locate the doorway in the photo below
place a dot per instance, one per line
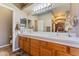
(59, 27)
(36, 25)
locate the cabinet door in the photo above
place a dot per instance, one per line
(59, 53)
(74, 51)
(45, 52)
(27, 45)
(34, 48)
(34, 51)
(57, 47)
(35, 43)
(21, 40)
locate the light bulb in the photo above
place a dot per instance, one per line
(44, 5)
(40, 8)
(33, 10)
(48, 4)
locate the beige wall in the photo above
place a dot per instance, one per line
(5, 25)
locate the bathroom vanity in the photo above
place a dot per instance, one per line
(43, 46)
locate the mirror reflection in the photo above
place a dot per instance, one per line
(54, 17)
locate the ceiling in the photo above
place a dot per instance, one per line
(22, 5)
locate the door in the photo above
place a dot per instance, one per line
(59, 27)
(36, 25)
(41, 25)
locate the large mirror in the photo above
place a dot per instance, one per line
(55, 17)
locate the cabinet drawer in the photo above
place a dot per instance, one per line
(74, 51)
(57, 47)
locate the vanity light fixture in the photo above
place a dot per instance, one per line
(42, 8)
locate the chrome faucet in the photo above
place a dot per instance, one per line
(57, 33)
(69, 29)
(69, 34)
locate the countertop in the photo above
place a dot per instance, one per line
(69, 41)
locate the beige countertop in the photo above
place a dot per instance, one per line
(72, 41)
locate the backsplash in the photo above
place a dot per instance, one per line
(48, 34)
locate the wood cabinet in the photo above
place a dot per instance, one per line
(58, 47)
(43, 43)
(34, 50)
(59, 53)
(37, 47)
(34, 43)
(21, 40)
(27, 45)
(45, 52)
(24, 44)
(74, 51)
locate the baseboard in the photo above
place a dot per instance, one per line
(5, 45)
(16, 49)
